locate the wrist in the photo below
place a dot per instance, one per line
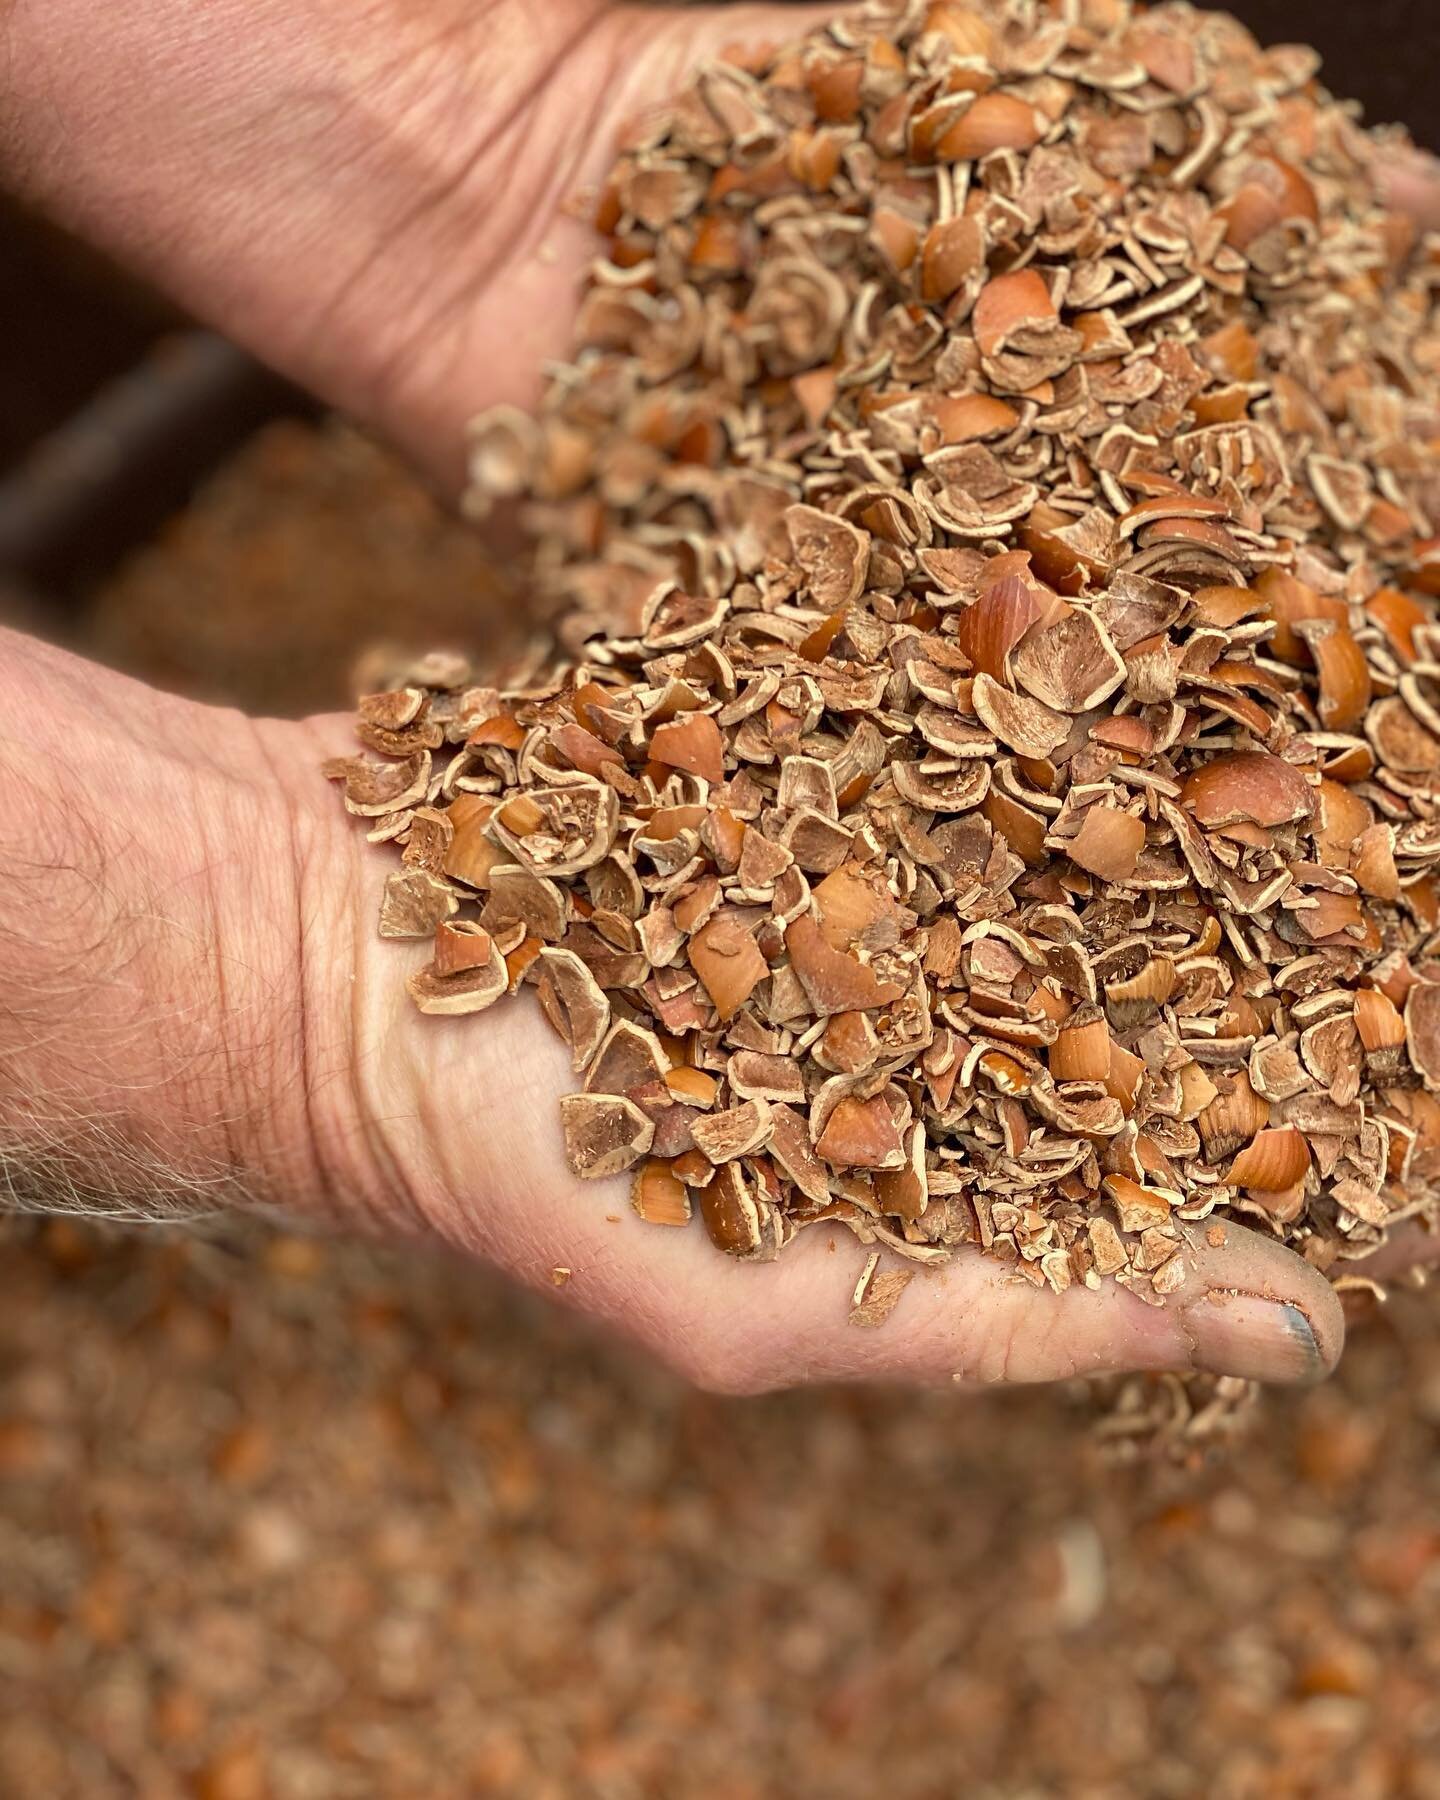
(173, 1033)
(317, 1098)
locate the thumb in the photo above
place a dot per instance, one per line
(1247, 1307)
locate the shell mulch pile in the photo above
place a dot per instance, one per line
(982, 785)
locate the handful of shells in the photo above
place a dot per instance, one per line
(982, 785)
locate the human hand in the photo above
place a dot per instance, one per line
(379, 239)
(197, 1011)
(378, 201)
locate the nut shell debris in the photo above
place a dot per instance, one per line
(977, 782)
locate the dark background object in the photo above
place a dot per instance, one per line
(1383, 53)
(113, 407)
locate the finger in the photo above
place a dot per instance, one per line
(1248, 1308)
(1409, 179)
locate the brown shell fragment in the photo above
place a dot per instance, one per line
(394, 709)
(834, 981)
(1341, 817)
(472, 988)
(558, 831)
(954, 250)
(791, 1149)
(1008, 305)
(755, 1076)
(1137, 1207)
(1401, 742)
(658, 1195)
(1108, 843)
(1070, 665)
(414, 904)
(877, 1294)
(991, 122)
(1251, 786)
(1344, 675)
(574, 1003)
(1373, 863)
(692, 1087)
(461, 946)
(990, 627)
(738, 1131)
(691, 742)
(833, 554)
(1082, 1050)
(1068, 552)
(373, 788)
(735, 1215)
(1130, 1001)
(1422, 1031)
(861, 1134)
(1273, 1161)
(1233, 1119)
(515, 895)
(605, 1134)
(470, 855)
(1378, 1020)
(856, 907)
(728, 961)
(1029, 727)
(629, 1059)
(905, 1193)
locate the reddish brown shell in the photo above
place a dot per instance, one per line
(1248, 785)
(834, 981)
(728, 961)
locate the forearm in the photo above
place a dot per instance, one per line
(158, 1031)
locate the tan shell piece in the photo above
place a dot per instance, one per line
(471, 989)
(605, 1134)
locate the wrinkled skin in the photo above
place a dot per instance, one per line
(372, 199)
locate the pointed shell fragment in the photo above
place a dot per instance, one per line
(990, 627)
(573, 1001)
(724, 954)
